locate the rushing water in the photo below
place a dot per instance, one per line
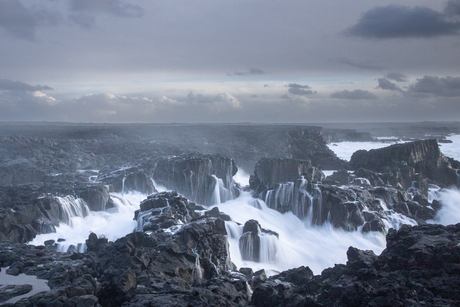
(111, 224)
(299, 243)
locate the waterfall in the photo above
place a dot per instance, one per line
(72, 207)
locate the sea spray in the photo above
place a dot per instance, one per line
(318, 247)
(450, 210)
(111, 224)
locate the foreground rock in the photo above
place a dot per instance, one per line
(419, 267)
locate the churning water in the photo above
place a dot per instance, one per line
(300, 242)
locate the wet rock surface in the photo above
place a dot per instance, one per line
(205, 179)
(419, 267)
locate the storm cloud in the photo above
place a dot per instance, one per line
(386, 84)
(21, 22)
(396, 76)
(10, 85)
(300, 90)
(437, 86)
(354, 95)
(396, 21)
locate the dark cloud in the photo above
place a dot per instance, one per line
(113, 7)
(396, 76)
(9, 85)
(21, 22)
(386, 84)
(250, 72)
(396, 21)
(452, 8)
(368, 65)
(301, 90)
(354, 95)
(443, 87)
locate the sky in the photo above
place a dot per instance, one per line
(230, 61)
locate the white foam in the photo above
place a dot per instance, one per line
(317, 247)
(344, 150)
(111, 224)
(451, 149)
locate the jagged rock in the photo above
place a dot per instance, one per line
(163, 210)
(129, 179)
(96, 196)
(250, 242)
(418, 268)
(402, 163)
(9, 291)
(205, 179)
(269, 172)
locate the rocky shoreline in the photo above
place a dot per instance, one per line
(178, 254)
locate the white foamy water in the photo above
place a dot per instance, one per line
(111, 224)
(344, 150)
(241, 177)
(451, 150)
(450, 211)
(299, 244)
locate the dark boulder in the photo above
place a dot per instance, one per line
(163, 210)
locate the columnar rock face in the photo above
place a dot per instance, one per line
(269, 172)
(205, 179)
(258, 244)
(348, 201)
(405, 163)
(419, 267)
(129, 179)
(96, 196)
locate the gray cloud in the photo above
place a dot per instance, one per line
(113, 7)
(386, 84)
(21, 22)
(443, 87)
(396, 21)
(452, 8)
(250, 72)
(9, 85)
(396, 76)
(354, 95)
(366, 64)
(300, 90)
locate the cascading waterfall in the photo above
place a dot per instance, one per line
(112, 223)
(72, 207)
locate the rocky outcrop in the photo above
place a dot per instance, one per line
(129, 179)
(419, 267)
(204, 179)
(402, 164)
(269, 172)
(256, 244)
(96, 196)
(164, 210)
